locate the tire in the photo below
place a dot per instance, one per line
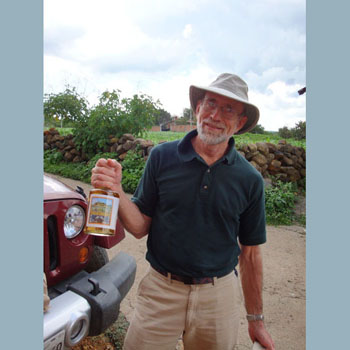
(98, 259)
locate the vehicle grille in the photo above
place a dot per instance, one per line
(53, 243)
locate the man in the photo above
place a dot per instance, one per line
(196, 199)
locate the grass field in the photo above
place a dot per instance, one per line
(157, 136)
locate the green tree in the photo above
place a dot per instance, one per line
(162, 117)
(186, 118)
(114, 116)
(285, 132)
(299, 131)
(258, 129)
(65, 107)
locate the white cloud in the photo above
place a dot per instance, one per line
(161, 47)
(187, 31)
(281, 106)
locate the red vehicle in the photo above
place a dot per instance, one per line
(84, 287)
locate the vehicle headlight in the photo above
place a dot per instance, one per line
(74, 221)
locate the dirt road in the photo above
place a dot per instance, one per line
(284, 282)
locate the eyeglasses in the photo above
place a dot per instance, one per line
(227, 111)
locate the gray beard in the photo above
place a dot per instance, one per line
(210, 139)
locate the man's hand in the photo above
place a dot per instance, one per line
(257, 332)
(107, 173)
(251, 270)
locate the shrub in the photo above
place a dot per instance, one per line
(113, 116)
(258, 129)
(133, 166)
(53, 156)
(279, 203)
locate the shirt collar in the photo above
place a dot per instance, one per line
(187, 152)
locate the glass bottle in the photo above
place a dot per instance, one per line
(102, 214)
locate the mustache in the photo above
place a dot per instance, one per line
(215, 124)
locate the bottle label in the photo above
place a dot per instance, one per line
(103, 211)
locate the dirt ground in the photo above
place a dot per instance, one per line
(284, 282)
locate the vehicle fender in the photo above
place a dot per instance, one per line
(105, 289)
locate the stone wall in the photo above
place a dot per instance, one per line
(283, 160)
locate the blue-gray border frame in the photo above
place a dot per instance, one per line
(328, 126)
(21, 91)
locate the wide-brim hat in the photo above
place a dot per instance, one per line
(231, 86)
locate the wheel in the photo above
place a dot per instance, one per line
(98, 259)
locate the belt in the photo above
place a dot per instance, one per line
(187, 279)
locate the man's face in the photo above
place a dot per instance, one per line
(218, 118)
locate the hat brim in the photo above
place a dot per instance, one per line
(252, 112)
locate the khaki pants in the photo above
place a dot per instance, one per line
(207, 314)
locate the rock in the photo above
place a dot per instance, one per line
(270, 157)
(249, 156)
(75, 152)
(144, 143)
(67, 148)
(272, 147)
(260, 159)
(264, 168)
(55, 138)
(244, 148)
(46, 146)
(255, 165)
(71, 143)
(120, 149)
(59, 145)
(289, 170)
(53, 131)
(76, 159)
(252, 147)
(278, 155)
(113, 140)
(275, 165)
(287, 161)
(123, 156)
(302, 172)
(113, 148)
(295, 176)
(282, 142)
(68, 156)
(242, 154)
(128, 145)
(263, 148)
(126, 137)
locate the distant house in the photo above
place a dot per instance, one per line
(172, 126)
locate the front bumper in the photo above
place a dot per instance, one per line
(88, 303)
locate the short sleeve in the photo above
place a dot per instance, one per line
(252, 228)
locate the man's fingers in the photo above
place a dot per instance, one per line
(113, 163)
(98, 183)
(101, 162)
(107, 171)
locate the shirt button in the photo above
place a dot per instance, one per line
(208, 170)
(205, 187)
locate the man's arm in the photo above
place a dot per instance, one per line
(251, 271)
(108, 174)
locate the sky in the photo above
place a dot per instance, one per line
(161, 47)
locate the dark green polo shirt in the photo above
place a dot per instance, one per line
(199, 211)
